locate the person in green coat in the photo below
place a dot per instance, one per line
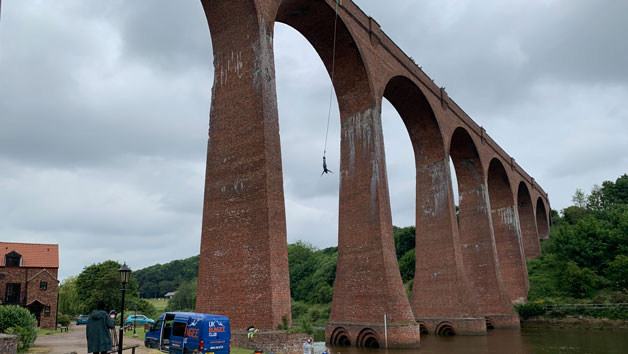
(98, 330)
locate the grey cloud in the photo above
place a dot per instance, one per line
(170, 35)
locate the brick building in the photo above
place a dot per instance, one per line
(28, 277)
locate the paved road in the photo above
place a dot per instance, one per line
(75, 341)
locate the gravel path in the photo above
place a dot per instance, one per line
(74, 341)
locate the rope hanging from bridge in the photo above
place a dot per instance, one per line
(331, 90)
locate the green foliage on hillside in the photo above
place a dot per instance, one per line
(312, 272)
(405, 240)
(586, 257)
(184, 298)
(157, 280)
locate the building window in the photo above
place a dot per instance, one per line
(47, 310)
(43, 285)
(13, 259)
(12, 295)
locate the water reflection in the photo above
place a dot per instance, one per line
(526, 341)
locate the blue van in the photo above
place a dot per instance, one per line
(190, 332)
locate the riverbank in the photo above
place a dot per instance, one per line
(584, 322)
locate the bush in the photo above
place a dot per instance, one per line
(306, 327)
(64, 319)
(619, 297)
(617, 272)
(580, 282)
(19, 321)
(530, 309)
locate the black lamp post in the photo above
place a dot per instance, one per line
(124, 273)
(134, 319)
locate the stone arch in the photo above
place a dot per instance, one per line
(367, 338)
(340, 337)
(440, 281)
(365, 226)
(419, 119)
(466, 160)
(542, 222)
(507, 232)
(479, 252)
(527, 221)
(445, 329)
(490, 324)
(315, 21)
(423, 328)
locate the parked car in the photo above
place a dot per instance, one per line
(82, 319)
(139, 320)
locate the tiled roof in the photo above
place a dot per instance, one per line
(33, 254)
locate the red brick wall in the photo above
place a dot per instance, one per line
(507, 234)
(243, 267)
(30, 291)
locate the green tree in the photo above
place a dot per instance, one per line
(579, 199)
(587, 253)
(69, 301)
(404, 239)
(184, 298)
(617, 272)
(406, 266)
(100, 282)
(158, 279)
(580, 282)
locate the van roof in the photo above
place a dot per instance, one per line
(197, 314)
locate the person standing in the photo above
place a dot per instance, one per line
(308, 347)
(98, 330)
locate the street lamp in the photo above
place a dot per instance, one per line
(123, 273)
(134, 319)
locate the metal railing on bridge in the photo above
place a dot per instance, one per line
(553, 307)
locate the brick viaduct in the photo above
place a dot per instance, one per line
(468, 272)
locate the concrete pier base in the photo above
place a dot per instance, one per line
(499, 321)
(453, 326)
(373, 335)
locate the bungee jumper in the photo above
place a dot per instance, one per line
(325, 170)
(331, 91)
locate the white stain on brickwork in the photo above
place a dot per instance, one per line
(231, 65)
(508, 217)
(362, 128)
(437, 202)
(238, 186)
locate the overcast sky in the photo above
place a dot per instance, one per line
(104, 112)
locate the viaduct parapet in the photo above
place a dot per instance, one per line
(470, 267)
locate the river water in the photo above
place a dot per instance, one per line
(524, 341)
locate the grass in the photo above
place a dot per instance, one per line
(141, 334)
(240, 350)
(160, 304)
